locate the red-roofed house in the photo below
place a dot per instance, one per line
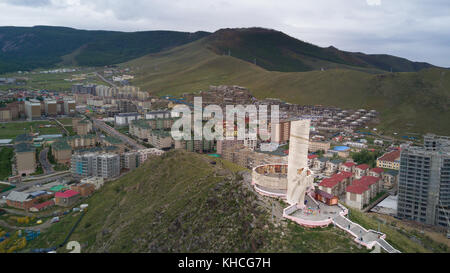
(336, 184)
(361, 191)
(66, 198)
(390, 160)
(361, 170)
(347, 167)
(371, 182)
(311, 159)
(330, 185)
(377, 172)
(42, 206)
(357, 196)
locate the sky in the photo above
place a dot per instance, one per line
(414, 29)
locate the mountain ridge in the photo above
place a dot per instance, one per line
(27, 48)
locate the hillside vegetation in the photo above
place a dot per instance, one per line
(27, 48)
(415, 102)
(183, 203)
(276, 51)
(180, 202)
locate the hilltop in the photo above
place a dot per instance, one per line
(183, 203)
(27, 48)
(276, 51)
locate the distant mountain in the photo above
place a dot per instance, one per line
(26, 48)
(276, 51)
(416, 102)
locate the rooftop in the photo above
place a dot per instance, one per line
(66, 194)
(349, 164)
(44, 205)
(24, 138)
(363, 167)
(18, 196)
(391, 156)
(356, 188)
(377, 170)
(24, 148)
(61, 145)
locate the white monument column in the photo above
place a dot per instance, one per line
(298, 162)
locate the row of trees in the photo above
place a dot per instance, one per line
(366, 157)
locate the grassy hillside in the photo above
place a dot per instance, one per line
(276, 51)
(27, 48)
(415, 102)
(182, 203)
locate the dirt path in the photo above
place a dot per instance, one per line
(41, 227)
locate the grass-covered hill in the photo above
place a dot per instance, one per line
(26, 48)
(276, 51)
(183, 203)
(416, 102)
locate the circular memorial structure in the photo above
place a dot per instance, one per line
(270, 179)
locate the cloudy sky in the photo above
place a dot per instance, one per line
(415, 29)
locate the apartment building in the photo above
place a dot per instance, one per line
(390, 160)
(315, 146)
(62, 152)
(50, 107)
(33, 109)
(424, 181)
(106, 165)
(280, 132)
(25, 157)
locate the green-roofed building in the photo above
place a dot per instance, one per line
(25, 155)
(58, 188)
(23, 138)
(62, 152)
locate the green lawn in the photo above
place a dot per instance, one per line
(397, 237)
(66, 121)
(54, 82)
(12, 129)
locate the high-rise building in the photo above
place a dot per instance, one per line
(50, 107)
(33, 109)
(106, 165)
(81, 165)
(25, 158)
(69, 107)
(424, 181)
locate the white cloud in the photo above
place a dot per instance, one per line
(373, 2)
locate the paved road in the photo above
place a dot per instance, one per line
(46, 166)
(112, 132)
(105, 80)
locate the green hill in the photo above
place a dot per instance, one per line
(27, 48)
(415, 102)
(276, 51)
(183, 203)
(180, 202)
